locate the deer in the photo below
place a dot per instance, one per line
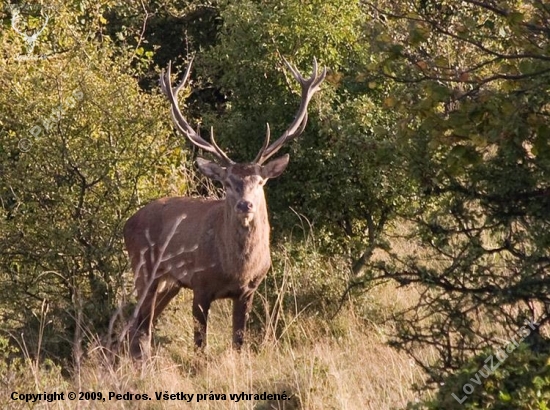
(218, 248)
(29, 40)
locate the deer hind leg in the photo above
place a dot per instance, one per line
(159, 294)
(241, 311)
(201, 306)
(140, 329)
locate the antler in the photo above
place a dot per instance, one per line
(28, 39)
(309, 87)
(180, 122)
(14, 20)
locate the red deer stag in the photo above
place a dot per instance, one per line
(219, 248)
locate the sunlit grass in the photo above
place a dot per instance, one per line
(318, 361)
(318, 369)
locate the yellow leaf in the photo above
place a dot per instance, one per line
(389, 102)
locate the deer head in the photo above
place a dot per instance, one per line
(244, 184)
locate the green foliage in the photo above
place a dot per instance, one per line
(252, 40)
(521, 381)
(344, 176)
(159, 31)
(473, 98)
(77, 139)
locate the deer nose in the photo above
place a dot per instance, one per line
(245, 206)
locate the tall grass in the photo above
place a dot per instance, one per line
(294, 347)
(352, 369)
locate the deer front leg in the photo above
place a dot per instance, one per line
(241, 310)
(201, 305)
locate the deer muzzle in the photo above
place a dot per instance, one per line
(244, 211)
(245, 207)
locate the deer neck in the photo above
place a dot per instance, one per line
(248, 246)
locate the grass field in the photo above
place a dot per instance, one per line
(344, 364)
(316, 361)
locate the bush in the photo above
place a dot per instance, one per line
(520, 381)
(81, 148)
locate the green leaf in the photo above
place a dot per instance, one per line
(504, 396)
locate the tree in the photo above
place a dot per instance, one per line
(472, 90)
(78, 139)
(343, 177)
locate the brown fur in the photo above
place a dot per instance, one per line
(202, 244)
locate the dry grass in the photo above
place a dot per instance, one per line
(320, 363)
(343, 364)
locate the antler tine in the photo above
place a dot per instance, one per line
(15, 19)
(45, 23)
(309, 87)
(44, 26)
(185, 76)
(179, 120)
(218, 149)
(264, 146)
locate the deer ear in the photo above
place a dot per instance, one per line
(211, 169)
(276, 167)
